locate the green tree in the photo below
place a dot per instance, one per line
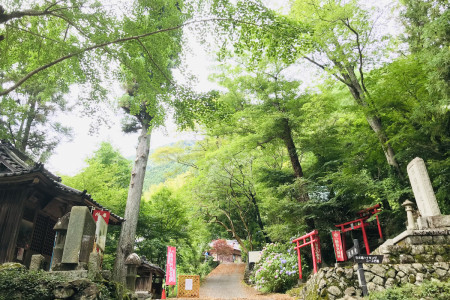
(27, 120)
(335, 36)
(146, 69)
(427, 26)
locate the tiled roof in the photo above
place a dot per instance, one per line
(149, 265)
(19, 164)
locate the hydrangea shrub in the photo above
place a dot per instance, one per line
(277, 271)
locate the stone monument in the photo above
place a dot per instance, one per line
(430, 231)
(73, 251)
(422, 189)
(80, 236)
(430, 214)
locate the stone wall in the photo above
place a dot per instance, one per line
(339, 282)
(418, 246)
(413, 256)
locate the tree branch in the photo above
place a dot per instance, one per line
(360, 55)
(116, 41)
(32, 33)
(325, 69)
(5, 17)
(153, 62)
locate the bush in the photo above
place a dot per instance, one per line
(20, 283)
(427, 290)
(277, 271)
(16, 282)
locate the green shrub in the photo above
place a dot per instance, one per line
(427, 290)
(277, 271)
(16, 282)
(19, 282)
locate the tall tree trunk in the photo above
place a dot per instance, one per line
(30, 118)
(346, 75)
(258, 216)
(25, 127)
(292, 150)
(293, 156)
(128, 232)
(372, 117)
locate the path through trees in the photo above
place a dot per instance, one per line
(226, 282)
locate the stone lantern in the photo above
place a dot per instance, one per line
(408, 205)
(61, 232)
(132, 262)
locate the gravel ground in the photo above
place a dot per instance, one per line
(226, 282)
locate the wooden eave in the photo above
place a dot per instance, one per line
(46, 182)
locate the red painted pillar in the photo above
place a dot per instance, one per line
(365, 237)
(379, 227)
(299, 262)
(313, 254)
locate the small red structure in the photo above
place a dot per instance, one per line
(359, 223)
(368, 212)
(312, 239)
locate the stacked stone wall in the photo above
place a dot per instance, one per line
(418, 249)
(339, 282)
(413, 257)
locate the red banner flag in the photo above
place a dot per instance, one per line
(337, 243)
(171, 266)
(317, 249)
(103, 213)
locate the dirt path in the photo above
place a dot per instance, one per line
(226, 282)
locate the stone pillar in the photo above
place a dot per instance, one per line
(421, 186)
(132, 262)
(408, 205)
(80, 236)
(37, 262)
(94, 266)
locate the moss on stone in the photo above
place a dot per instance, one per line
(420, 258)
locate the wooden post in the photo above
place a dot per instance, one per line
(361, 276)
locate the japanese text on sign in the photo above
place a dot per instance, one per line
(104, 214)
(171, 269)
(337, 243)
(369, 259)
(352, 252)
(317, 249)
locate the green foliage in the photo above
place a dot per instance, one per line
(277, 271)
(163, 220)
(427, 290)
(427, 25)
(19, 282)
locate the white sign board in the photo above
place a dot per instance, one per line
(100, 233)
(188, 285)
(254, 256)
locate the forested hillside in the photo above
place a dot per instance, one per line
(158, 172)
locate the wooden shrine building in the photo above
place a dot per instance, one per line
(31, 201)
(150, 278)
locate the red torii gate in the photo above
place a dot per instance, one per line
(360, 223)
(314, 241)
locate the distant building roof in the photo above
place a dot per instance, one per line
(232, 243)
(16, 167)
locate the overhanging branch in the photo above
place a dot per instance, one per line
(116, 41)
